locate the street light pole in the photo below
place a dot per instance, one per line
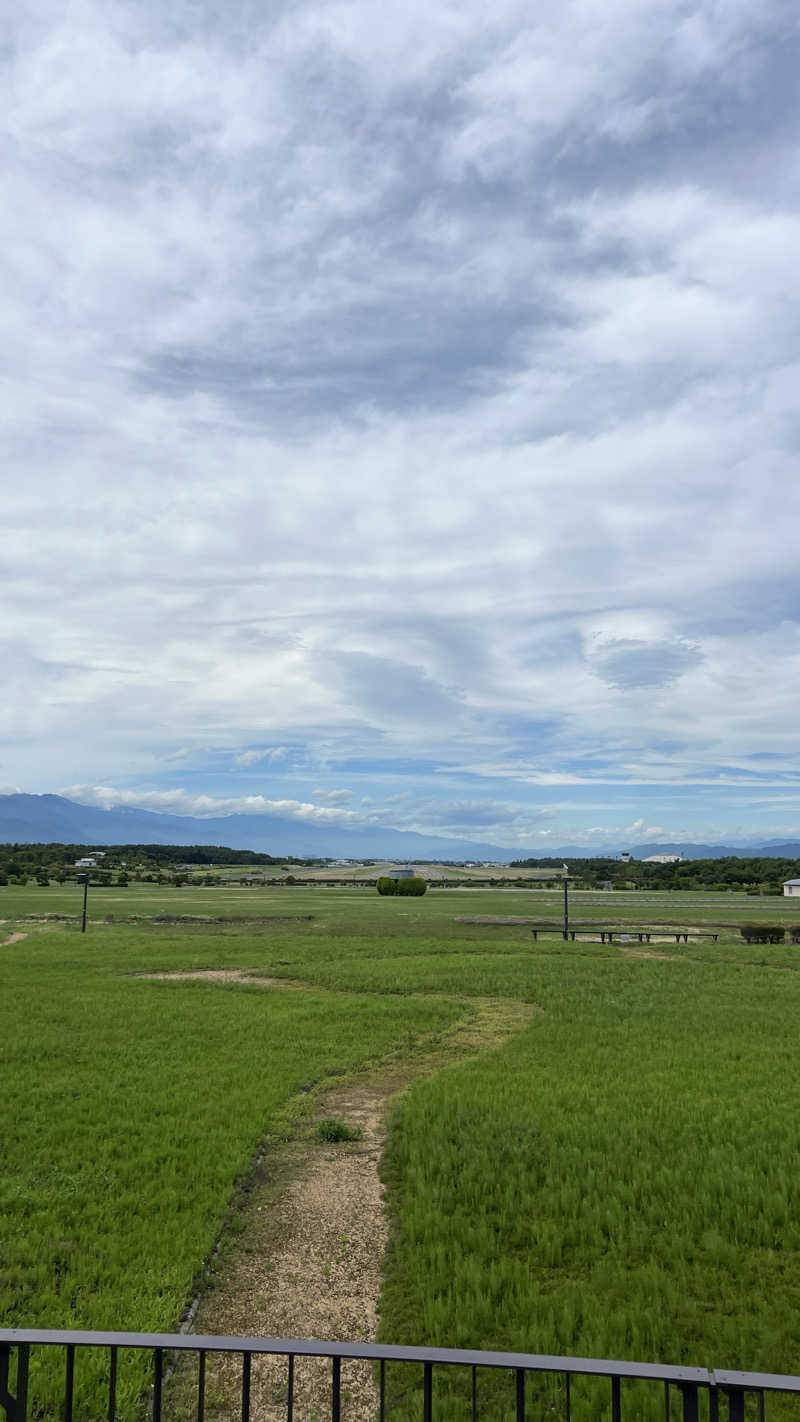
(566, 910)
(85, 896)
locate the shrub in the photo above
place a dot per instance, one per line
(794, 932)
(331, 1129)
(411, 886)
(386, 885)
(762, 932)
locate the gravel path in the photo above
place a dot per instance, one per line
(309, 1268)
(308, 1261)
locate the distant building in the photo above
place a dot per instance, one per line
(790, 887)
(400, 871)
(625, 857)
(663, 859)
(90, 862)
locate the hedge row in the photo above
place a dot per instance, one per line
(769, 932)
(401, 886)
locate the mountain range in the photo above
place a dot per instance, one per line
(46, 819)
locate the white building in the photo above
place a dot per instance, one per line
(790, 887)
(663, 859)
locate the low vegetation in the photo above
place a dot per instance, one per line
(330, 1131)
(408, 888)
(618, 1179)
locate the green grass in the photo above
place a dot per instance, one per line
(132, 1108)
(619, 1179)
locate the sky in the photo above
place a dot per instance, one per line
(400, 411)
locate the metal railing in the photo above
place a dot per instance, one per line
(690, 1393)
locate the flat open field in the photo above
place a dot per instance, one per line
(619, 1179)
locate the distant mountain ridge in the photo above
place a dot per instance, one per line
(44, 819)
(766, 849)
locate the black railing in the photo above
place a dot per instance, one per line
(693, 1394)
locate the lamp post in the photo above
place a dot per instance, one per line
(566, 909)
(85, 896)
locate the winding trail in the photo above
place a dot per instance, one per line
(307, 1263)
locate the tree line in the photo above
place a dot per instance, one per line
(754, 874)
(121, 862)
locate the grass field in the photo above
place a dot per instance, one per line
(620, 1179)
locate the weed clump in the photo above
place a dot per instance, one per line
(331, 1130)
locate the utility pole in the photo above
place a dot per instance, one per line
(85, 896)
(566, 910)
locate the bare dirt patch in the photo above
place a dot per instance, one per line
(12, 938)
(193, 920)
(226, 975)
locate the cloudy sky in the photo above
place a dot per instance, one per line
(401, 413)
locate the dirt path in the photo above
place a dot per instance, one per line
(12, 938)
(308, 1261)
(227, 975)
(308, 1266)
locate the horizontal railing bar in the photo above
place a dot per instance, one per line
(305, 1347)
(767, 1382)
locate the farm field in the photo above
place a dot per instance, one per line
(619, 1179)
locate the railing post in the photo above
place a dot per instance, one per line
(112, 1385)
(246, 1358)
(336, 1388)
(735, 1404)
(201, 1385)
(520, 1395)
(23, 1356)
(689, 1393)
(14, 1407)
(69, 1382)
(158, 1378)
(7, 1402)
(290, 1389)
(427, 1392)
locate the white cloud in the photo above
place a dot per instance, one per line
(182, 802)
(272, 754)
(414, 389)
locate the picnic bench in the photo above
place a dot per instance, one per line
(643, 935)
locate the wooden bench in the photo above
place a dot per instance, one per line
(643, 935)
